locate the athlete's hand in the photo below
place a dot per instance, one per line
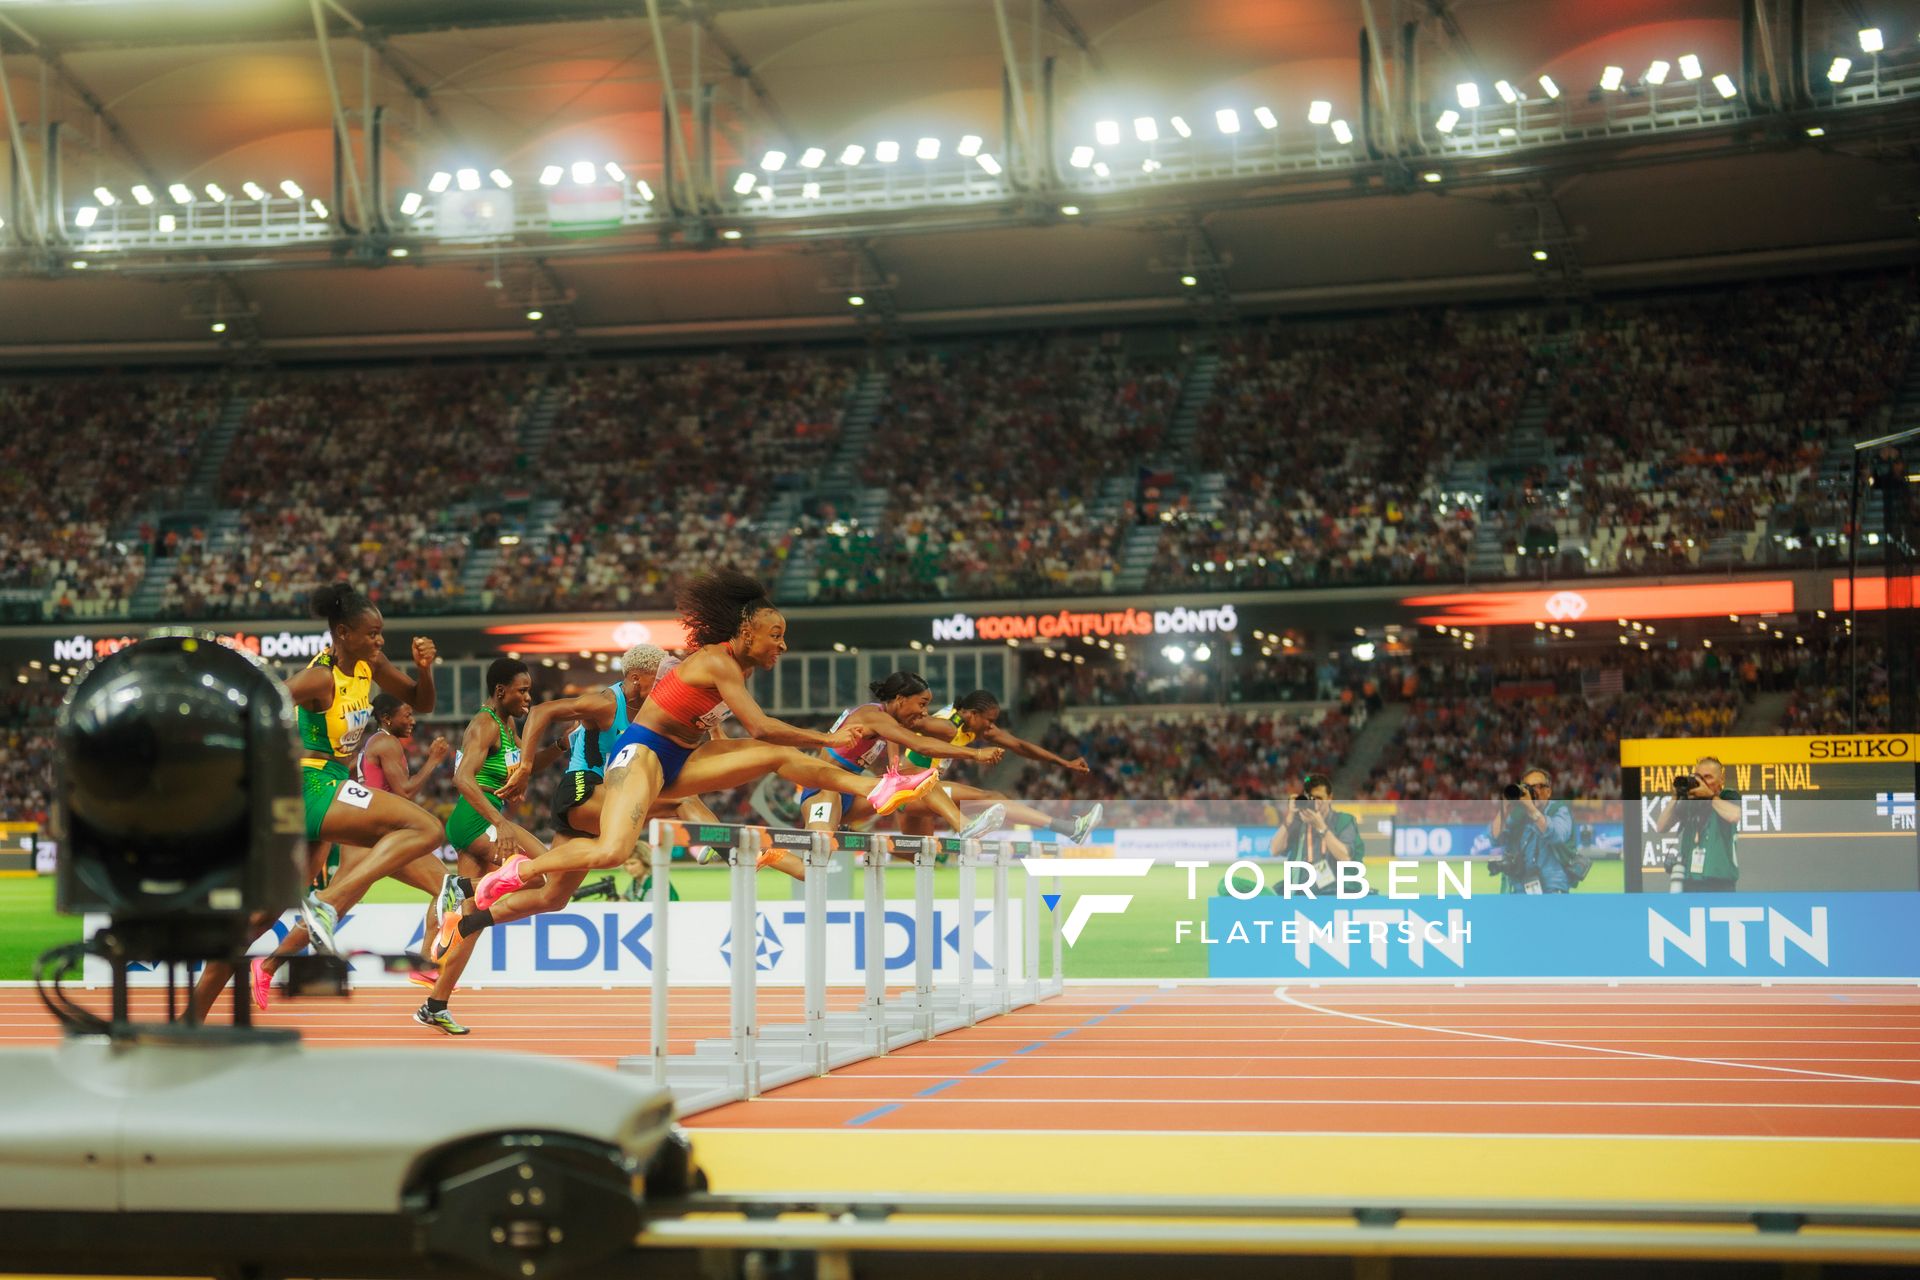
(438, 750)
(511, 838)
(841, 739)
(989, 755)
(1079, 765)
(517, 778)
(424, 654)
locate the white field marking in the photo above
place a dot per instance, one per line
(1427, 1077)
(1344, 1135)
(1343, 1102)
(1369, 1057)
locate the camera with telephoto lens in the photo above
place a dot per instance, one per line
(1513, 791)
(1684, 784)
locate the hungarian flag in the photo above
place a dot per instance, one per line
(576, 210)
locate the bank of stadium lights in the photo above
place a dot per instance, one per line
(813, 157)
(1342, 133)
(1147, 129)
(85, 217)
(886, 152)
(1467, 93)
(1448, 119)
(1508, 94)
(986, 161)
(500, 179)
(1319, 111)
(440, 182)
(852, 154)
(1612, 78)
(929, 148)
(1107, 132)
(410, 203)
(181, 193)
(318, 206)
(1081, 158)
(292, 189)
(614, 173)
(1724, 83)
(583, 172)
(745, 183)
(970, 145)
(809, 191)
(1872, 40)
(166, 224)
(142, 196)
(551, 175)
(1181, 127)
(1657, 73)
(469, 179)
(1266, 118)
(104, 196)
(1548, 87)
(253, 191)
(1690, 66)
(1100, 170)
(1837, 70)
(1227, 120)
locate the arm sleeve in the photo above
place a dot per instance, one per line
(1560, 824)
(1349, 835)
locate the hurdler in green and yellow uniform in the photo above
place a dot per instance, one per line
(330, 739)
(977, 716)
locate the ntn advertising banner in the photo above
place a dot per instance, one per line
(1603, 937)
(611, 944)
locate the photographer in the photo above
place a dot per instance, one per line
(1313, 831)
(1708, 816)
(1536, 832)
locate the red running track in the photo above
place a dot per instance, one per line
(1787, 1062)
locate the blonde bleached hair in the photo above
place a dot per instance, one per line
(642, 657)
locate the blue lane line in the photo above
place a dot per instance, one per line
(935, 1088)
(986, 1066)
(875, 1114)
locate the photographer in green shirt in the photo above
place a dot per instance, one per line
(1708, 815)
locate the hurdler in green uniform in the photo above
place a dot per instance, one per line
(466, 823)
(330, 739)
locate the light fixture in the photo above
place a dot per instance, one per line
(1342, 133)
(853, 154)
(765, 193)
(1227, 120)
(582, 171)
(1657, 73)
(141, 195)
(78, 264)
(500, 178)
(439, 182)
(1506, 91)
(104, 196)
(1448, 119)
(855, 300)
(987, 162)
(536, 314)
(253, 191)
(1107, 132)
(469, 179)
(318, 206)
(1837, 72)
(1430, 176)
(181, 193)
(1100, 170)
(1539, 255)
(886, 152)
(615, 172)
(551, 175)
(218, 326)
(1468, 94)
(1181, 127)
(1612, 78)
(773, 161)
(292, 189)
(1815, 131)
(1548, 87)
(646, 191)
(1070, 210)
(927, 149)
(1149, 165)
(1319, 111)
(398, 251)
(1266, 117)
(1189, 280)
(1081, 157)
(1146, 128)
(410, 203)
(1690, 66)
(809, 191)
(731, 233)
(1871, 40)
(969, 145)
(744, 184)
(166, 223)
(85, 216)
(1724, 83)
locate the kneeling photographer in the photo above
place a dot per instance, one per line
(1535, 835)
(1708, 815)
(1314, 831)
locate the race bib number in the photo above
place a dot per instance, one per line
(1530, 886)
(356, 795)
(511, 756)
(623, 757)
(1698, 866)
(820, 811)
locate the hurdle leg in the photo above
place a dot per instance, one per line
(874, 928)
(1002, 930)
(657, 1011)
(743, 1013)
(819, 859)
(926, 938)
(1031, 943)
(1058, 983)
(969, 855)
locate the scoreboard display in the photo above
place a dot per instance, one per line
(1816, 813)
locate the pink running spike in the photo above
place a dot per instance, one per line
(496, 885)
(896, 789)
(262, 981)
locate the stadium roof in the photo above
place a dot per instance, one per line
(226, 91)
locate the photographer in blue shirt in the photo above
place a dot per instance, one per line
(1536, 833)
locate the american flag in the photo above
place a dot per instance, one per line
(1607, 682)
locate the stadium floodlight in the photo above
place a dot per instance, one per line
(292, 189)
(773, 161)
(1506, 91)
(646, 192)
(104, 196)
(218, 326)
(813, 157)
(1724, 83)
(551, 175)
(1447, 120)
(1266, 117)
(410, 203)
(583, 173)
(85, 217)
(1149, 165)
(1107, 132)
(1657, 73)
(440, 182)
(1319, 111)
(1081, 157)
(167, 223)
(744, 184)
(1872, 40)
(501, 179)
(886, 152)
(1548, 87)
(1342, 133)
(1227, 120)
(469, 179)
(1181, 127)
(927, 149)
(1100, 170)
(614, 172)
(970, 145)
(318, 206)
(855, 300)
(1190, 280)
(731, 233)
(1539, 255)
(986, 161)
(216, 193)
(398, 251)
(1837, 71)
(1146, 128)
(536, 314)
(142, 196)
(765, 192)
(1690, 66)
(1202, 653)
(809, 191)
(1815, 131)
(1612, 78)
(1468, 93)
(852, 154)
(1431, 175)
(1070, 210)
(253, 191)
(1174, 654)
(181, 193)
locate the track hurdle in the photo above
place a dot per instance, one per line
(752, 1058)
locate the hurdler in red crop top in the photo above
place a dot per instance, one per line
(701, 708)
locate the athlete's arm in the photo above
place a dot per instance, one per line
(415, 690)
(1033, 750)
(476, 744)
(593, 709)
(312, 688)
(393, 763)
(882, 725)
(754, 719)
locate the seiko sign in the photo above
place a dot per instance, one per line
(1116, 623)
